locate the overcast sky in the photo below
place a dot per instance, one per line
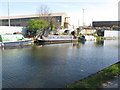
(96, 10)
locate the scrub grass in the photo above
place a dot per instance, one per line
(96, 80)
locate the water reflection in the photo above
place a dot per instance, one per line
(15, 47)
(91, 43)
(100, 42)
(55, 65)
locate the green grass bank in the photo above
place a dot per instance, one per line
(96, 80)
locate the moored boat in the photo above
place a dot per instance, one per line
(87, 38)
(56, 38)
(13, 40)
(90, 38)
(82, 38)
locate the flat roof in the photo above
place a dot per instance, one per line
(106, 21)
(34, 15)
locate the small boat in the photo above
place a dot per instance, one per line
(14, 40)
(82, 38)
(87, 38)
(90, 38)
(56, 38)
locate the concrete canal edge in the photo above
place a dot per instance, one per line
(109, 84)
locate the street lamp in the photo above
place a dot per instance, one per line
(78, 23)
(9, 13)
(83, 16)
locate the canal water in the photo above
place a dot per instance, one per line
(55, 65)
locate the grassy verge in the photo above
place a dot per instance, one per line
(96, 80)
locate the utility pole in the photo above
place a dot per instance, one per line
(9, 13)
(83, 16)
(78, 23)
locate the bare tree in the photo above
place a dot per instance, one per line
(43, 10)
(44, 13)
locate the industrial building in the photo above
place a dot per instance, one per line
(22, 20)
(105, 23)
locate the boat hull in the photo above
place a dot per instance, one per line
(16, 43)
(56, 41)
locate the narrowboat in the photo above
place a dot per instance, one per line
(13, 40)
(56, 38)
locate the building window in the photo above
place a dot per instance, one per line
(4, 21)
(58, 18)
(17, 25)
